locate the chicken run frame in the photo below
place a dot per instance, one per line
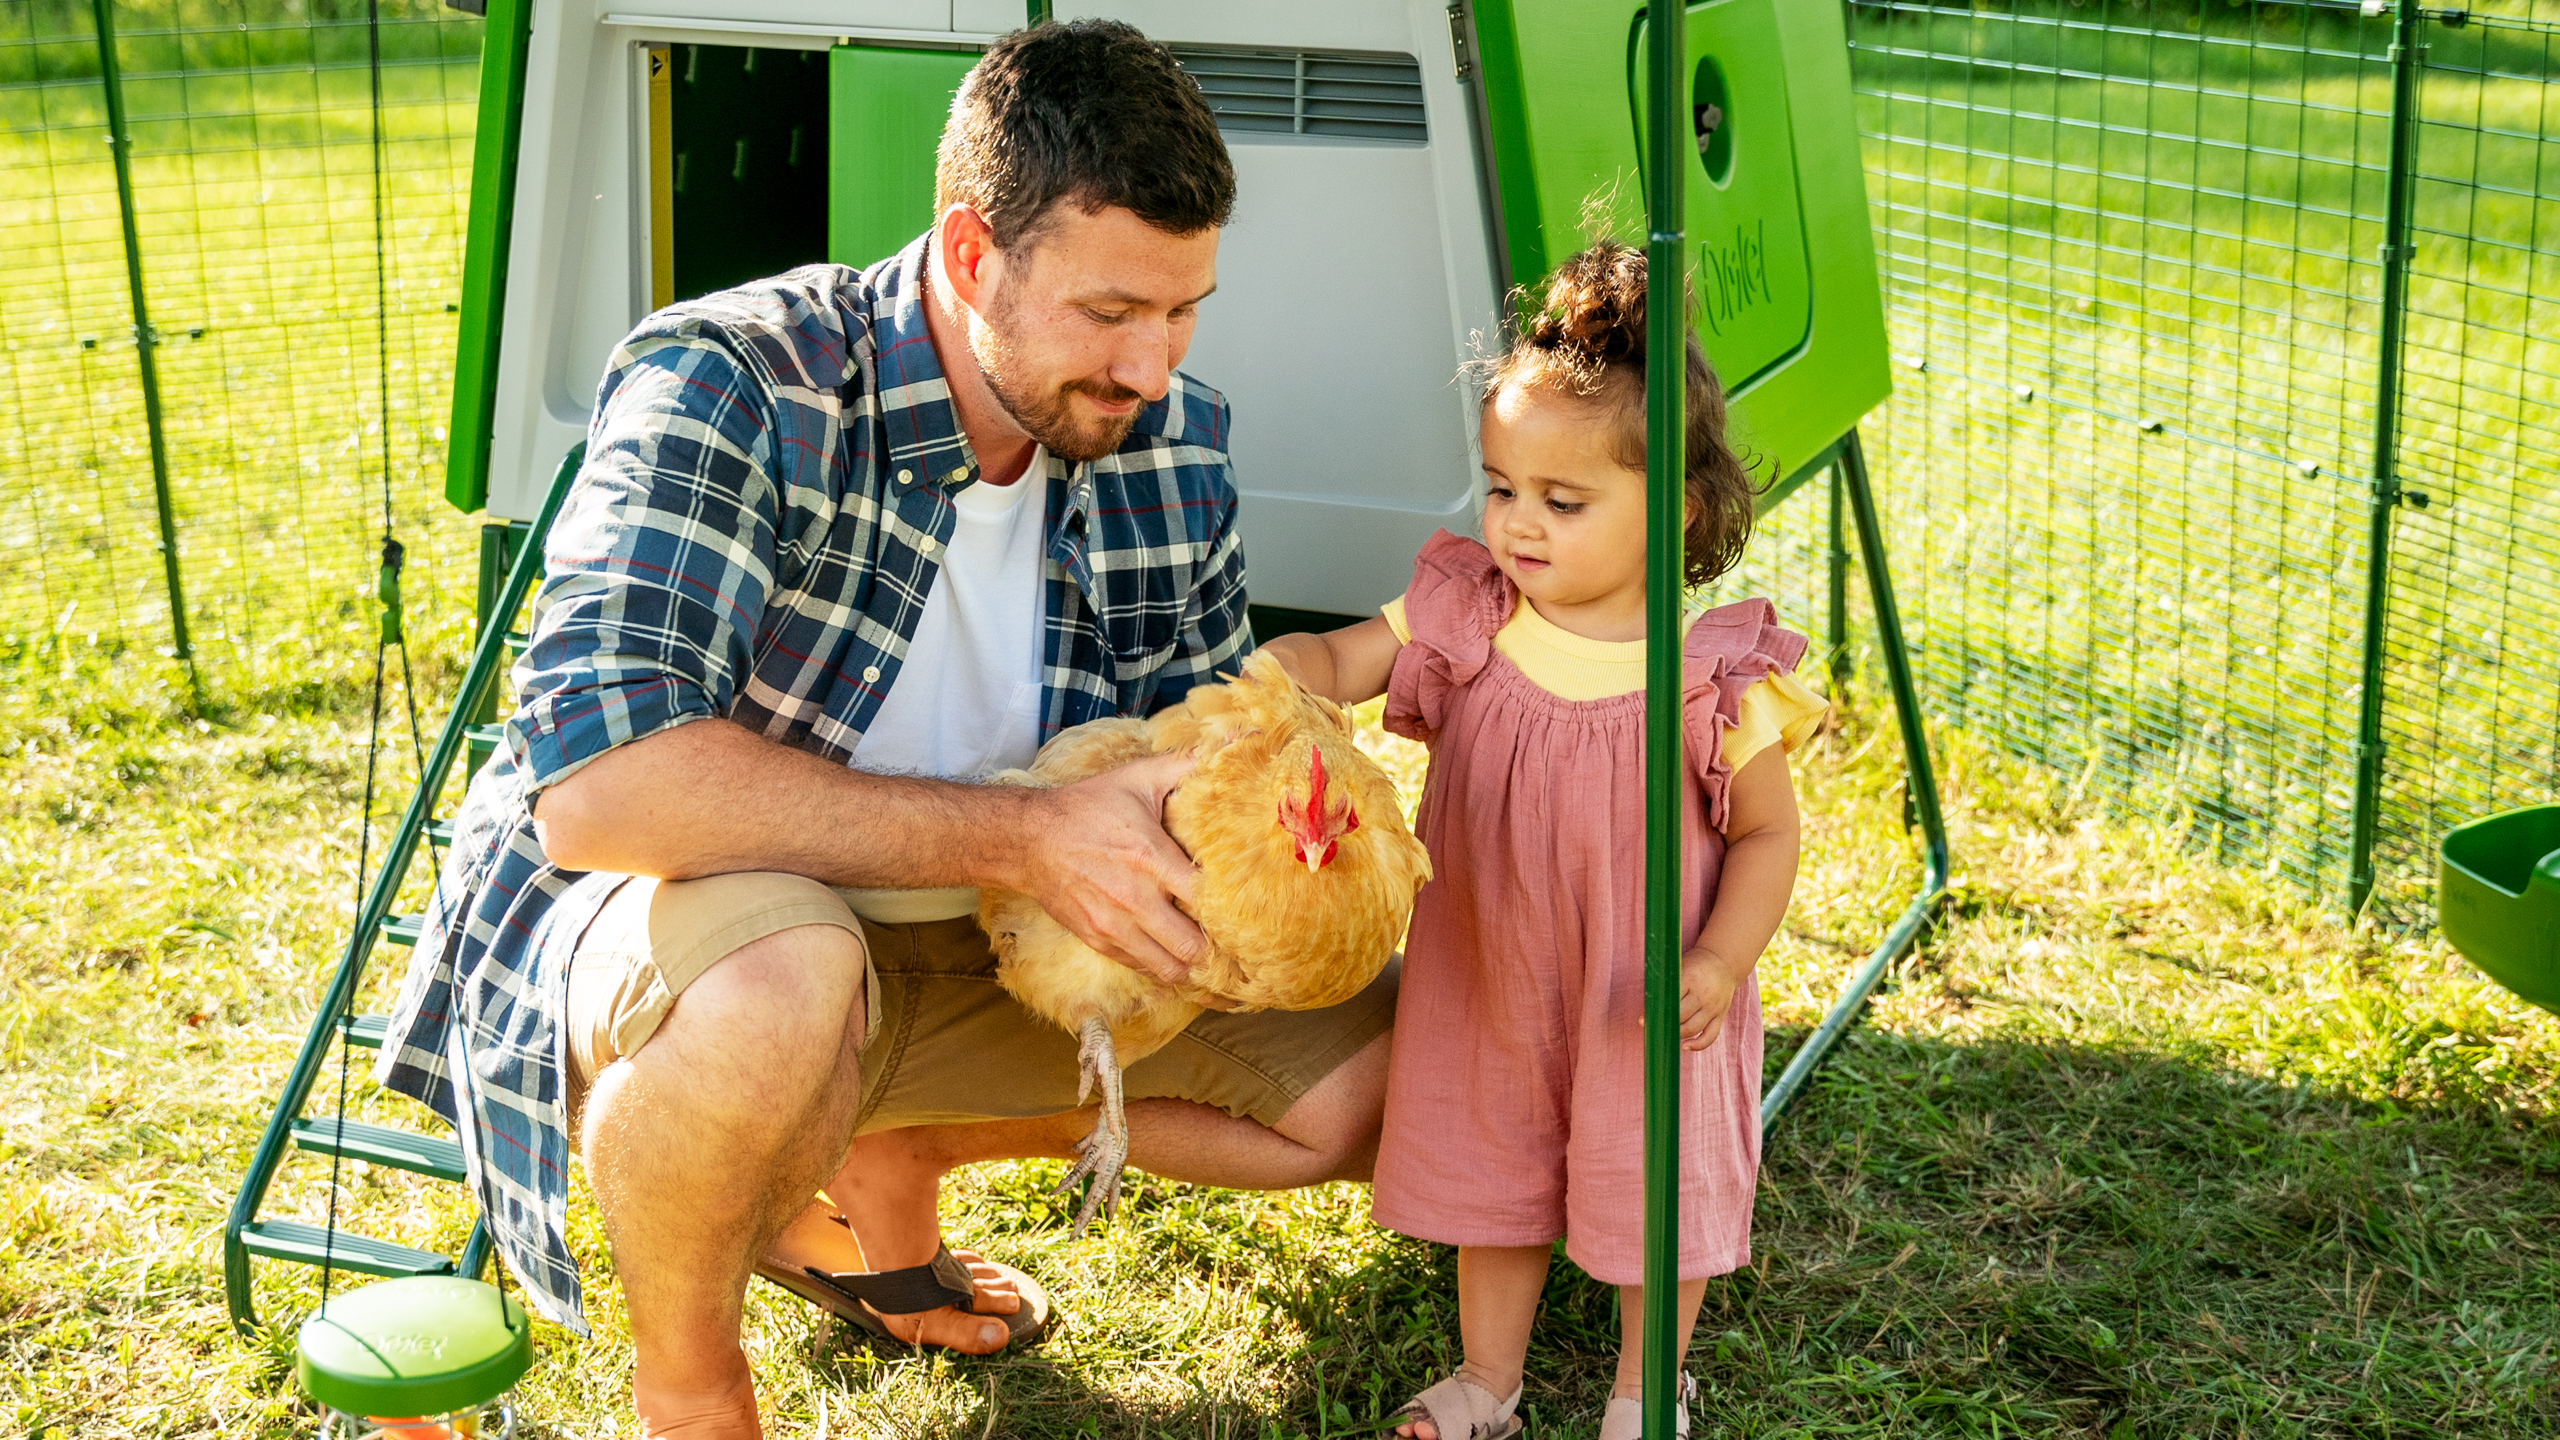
(1737, 129)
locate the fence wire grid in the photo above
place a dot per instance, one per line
(2132, 271)
(2131, 257)
(254, 182)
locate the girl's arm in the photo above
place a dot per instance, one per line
(1345, 666)
(1760, 842)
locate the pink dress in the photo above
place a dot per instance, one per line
(1515, 1105)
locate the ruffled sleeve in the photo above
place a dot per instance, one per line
(1730, 650)
(1457, 600)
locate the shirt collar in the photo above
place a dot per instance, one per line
(915, 395)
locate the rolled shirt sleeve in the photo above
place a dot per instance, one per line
(658, 566)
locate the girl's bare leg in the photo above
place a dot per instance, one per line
(1498, 1289)
(1631, 1333)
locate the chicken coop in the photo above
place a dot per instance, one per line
(1410, 162)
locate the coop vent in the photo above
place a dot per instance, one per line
(1326, 94)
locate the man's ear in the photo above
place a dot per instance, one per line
(964, 244)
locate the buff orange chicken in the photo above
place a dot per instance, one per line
(1307, 876)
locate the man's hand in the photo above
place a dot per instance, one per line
(1102, 865)
(1707, 983)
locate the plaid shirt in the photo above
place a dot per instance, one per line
(765, 497)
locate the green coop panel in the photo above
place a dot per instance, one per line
(885, 112)
(1749, 263)
(1782, 261)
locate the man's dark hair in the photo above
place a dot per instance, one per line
(1090, 112)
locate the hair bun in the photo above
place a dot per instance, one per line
(1594, 310)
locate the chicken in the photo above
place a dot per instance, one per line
(1307, 876)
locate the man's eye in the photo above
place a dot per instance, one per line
(1104, 317)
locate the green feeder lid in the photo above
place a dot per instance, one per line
(422, 1345)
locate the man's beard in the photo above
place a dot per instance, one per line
(1051, 418)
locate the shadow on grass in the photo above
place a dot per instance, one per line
(1981, 1239)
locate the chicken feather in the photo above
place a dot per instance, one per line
(1307, 876)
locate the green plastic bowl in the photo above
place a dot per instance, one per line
(421, 1345)
(2498, 899)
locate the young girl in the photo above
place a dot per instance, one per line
(1515, 1106)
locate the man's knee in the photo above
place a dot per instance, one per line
(789, 1001)
(1338, 1117)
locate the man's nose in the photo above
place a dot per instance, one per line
(1145, 360)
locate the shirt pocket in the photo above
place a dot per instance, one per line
(1014, 740)
(1140, 637)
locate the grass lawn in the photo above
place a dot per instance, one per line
(2136, 1147)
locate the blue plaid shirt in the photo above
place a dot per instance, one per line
(764, 501)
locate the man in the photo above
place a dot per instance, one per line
(841, 542)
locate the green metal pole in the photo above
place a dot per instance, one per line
(1919, 775)
(2385, 494)
(506, 33)
(146, 341)
(1669, 146)
(1836, 641)
(487, 655)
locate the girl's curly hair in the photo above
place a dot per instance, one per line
(1586, 338)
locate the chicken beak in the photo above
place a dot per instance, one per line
(1314, 858)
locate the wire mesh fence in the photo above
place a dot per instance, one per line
(304, 358)
(2134, 268)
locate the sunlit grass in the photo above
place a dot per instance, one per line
(2136, 1146)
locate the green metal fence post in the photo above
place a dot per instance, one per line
(1668, 146)
(1920, 780)
(1836, 638)
(2385, 492)
(146, 340)
(504, 38)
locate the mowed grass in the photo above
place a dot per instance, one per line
(2137, 1146)
(305, 378)
(2134, 1147)
(2131, 274)
(2091, 220)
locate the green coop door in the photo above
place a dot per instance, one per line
(1748, 260)
(885, 112)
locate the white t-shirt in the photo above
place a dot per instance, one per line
(967, 701)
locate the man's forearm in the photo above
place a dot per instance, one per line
(711, 797)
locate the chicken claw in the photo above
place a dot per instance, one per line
(1100, 1155)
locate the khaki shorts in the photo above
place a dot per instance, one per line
(944, 1044)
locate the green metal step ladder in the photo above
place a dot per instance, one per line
(518, 546)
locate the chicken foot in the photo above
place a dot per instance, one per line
(1101, 1155)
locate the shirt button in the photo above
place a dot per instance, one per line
(906, 477)
(871, 674)
(931, 546)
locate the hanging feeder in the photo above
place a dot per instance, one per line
(2498, 899)
(426, 1357)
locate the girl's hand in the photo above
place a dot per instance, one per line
(1707, 983)
(1345, 666)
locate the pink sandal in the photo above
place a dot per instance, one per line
(1461, 1409)
(1624, 1418)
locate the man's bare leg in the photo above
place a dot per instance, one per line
(753, 1078)
(891, 1183)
